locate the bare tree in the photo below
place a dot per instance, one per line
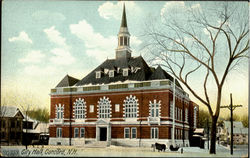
(210, 43)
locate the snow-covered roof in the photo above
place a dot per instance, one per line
(199, 130)
(9, 111)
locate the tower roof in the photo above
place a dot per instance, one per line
(124, 19)
(67, 81)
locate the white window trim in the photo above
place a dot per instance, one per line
(100, 104)
(125, 72)
(159, 108)
(76, 108)
(98, 74)
(111, 73)
(135, 104)
(75, 132)
(154, 132)
(59, 111)
(81, 133)
(135, 133)
(125, 133)
(57, 132)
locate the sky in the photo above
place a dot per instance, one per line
(42, 41)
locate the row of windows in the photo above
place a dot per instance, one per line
(178, 113)
(104, 108)
(98, 74)
(129, 133)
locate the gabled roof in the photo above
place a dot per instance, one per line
(9, 111)
(67, 81)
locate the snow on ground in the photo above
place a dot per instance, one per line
(114, 151)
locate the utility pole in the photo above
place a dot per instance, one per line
(231, 107)
(207, 133)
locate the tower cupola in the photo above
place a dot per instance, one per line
(123, 49)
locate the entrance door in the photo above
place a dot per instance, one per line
(103, 134)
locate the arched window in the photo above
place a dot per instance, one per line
(79, 108)
(154, 108)
(130, 105)
(59, 111)
(104, 109)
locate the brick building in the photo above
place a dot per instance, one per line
(122, 102)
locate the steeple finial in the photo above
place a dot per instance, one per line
(124, 19)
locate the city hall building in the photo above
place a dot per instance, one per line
(121, 102)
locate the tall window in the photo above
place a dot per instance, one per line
(59, 132)
(121, 41)
(104, 107)
(133, 131)
(59, 111)
(82, 134)
(79, 108)
(195, 116)
(76, 133)
(171, 109)
(130, 105)
(154, 133)
(126, 133)
(125, 41)
(154, 108)
(186, 115)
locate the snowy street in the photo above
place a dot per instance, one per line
(115, 151)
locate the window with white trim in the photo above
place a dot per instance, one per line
(133, 132)
(186, 115)
(154, 108)
(154, 133)
(125, 72)
(79, 108)
(104, 107)
(82, 132)
(91, 108)
(59, 111)
(98, 74)
(117, 107)
(111, 73)
(126, 133)
(130, 105)
(76, 132)
(171, 109)
(59, 132)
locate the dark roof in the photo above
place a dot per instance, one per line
(145, 72)
(67, 81)
(141, 75)
(159, 73)
(124, 19)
